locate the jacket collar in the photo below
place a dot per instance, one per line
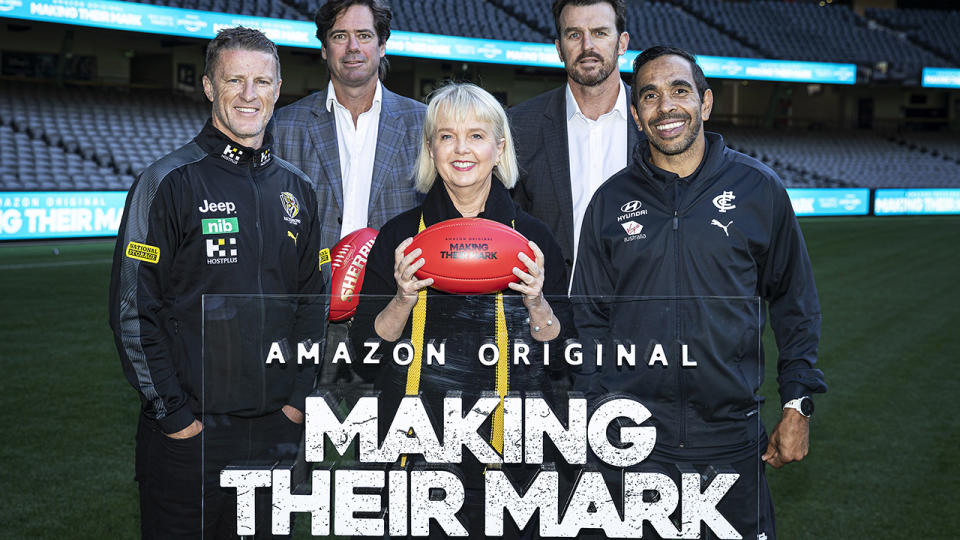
(709, 165)
(437, 206)
(215, 143)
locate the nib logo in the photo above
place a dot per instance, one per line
(632, 227)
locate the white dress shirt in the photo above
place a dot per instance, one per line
(358, 147)
(597, 150)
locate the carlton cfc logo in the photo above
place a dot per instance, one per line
(723, 201)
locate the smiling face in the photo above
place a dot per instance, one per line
(669, 108)
(465, 153)
(243, 90)
(589, 44)
(352, 49)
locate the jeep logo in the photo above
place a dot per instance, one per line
(227, 207)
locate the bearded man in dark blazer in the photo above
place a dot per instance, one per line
(571, 139)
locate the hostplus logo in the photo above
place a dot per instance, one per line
(221, 250)
(631, 209)
(232, 154)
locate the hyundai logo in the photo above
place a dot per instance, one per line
(631, 206)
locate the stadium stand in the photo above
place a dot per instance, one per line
(85, 138)
(273, 9)
(660, 23)
(769, 29)
(32, 164)
(93, 138)
(844, 159)
(939, 144)
(468, 18)
(648, 23)
(806, 31)
(936, 30)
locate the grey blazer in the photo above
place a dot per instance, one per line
(305, 134)
(540, 133)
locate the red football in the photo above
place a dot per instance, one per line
(348, 260)
(470, 255)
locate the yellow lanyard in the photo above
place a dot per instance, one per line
(503, 361)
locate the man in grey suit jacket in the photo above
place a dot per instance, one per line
(571, 139)
(357, 140)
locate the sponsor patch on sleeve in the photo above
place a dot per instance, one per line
(324, 256)
(143, 252)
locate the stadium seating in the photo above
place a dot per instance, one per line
(837, 159)
(78, 138)
(905, 40)
(661, 23)
(648, 23)
(469, 18)
(937, 144)
(806, 31)
(89, 138)
(273, 9)
(936, 30)
(32, 164)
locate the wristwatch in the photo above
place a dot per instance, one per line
(803, 405)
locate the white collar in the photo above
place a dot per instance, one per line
(620, 106)
(332, 97)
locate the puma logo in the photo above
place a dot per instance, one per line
(722, 226)
(294, 236)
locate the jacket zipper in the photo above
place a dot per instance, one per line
(256, 198)
(676, 263)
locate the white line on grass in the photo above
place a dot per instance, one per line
(51, 264)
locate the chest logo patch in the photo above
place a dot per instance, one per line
(232, 154)
(220, 225)
(291, 206)
(722, 226)
(724, 201)
(633, 230)
(143, 252)
(221, 250)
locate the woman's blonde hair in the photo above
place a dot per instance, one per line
(459, 101)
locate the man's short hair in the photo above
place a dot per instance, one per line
(618, 8)
(460, 100)
(382, 15)
(699, 80)
(238, 38)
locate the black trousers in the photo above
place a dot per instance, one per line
(180, 493)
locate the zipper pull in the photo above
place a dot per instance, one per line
(676, 221)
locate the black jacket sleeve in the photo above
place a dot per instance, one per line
(787, 284)
(150, 217)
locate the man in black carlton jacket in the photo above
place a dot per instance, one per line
(690, 219)
(218, 216)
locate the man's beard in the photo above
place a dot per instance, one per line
(676, 148)
(596, 77)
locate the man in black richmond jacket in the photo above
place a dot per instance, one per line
(218, 216)
(686, 220)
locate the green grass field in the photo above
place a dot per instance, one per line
(884, 447)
